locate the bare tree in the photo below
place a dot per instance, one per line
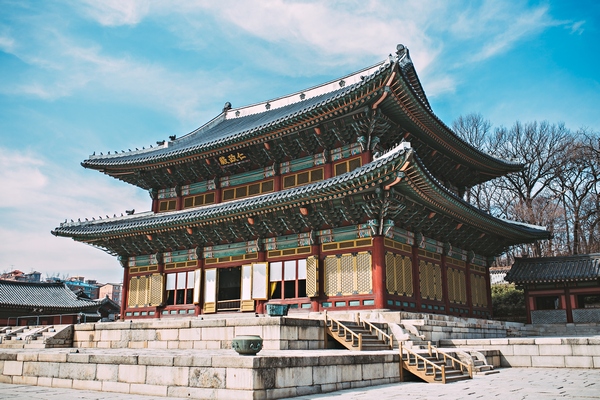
(558, 188)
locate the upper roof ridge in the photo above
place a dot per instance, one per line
(345, 82)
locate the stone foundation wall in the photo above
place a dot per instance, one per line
(278, 333)
(551, 352)
(200, 375)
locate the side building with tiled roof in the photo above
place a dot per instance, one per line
(44, 303)
(559, 289)
(344, 196)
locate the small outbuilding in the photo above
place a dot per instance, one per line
(34, 303)
(559, 289)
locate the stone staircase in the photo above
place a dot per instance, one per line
(36, 337)
(358, 335)
(433, 365)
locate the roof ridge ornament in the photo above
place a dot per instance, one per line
(402, 53)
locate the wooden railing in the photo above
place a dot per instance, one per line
(427, 369)
(456, 363)
(421, 364)
(336, 327)
(380, 334)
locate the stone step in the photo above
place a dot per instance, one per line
(450, 379)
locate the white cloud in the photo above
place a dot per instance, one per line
(116, 12)
(496, 26)
(286, 38)
(64, 68)
(337, 32)
(43, 194)
(7, 44)
(577, 27)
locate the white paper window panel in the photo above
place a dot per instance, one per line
(259, 281)
(190, 280)
(301, 269)
(246, 282)
(171, 281)
(289, 270)
(275, 271)
(197, 283)
(181, 280)
(210, 286)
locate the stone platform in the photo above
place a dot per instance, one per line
(541, 352)
(278, 333)
(200, 374)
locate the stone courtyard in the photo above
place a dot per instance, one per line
(508, 383)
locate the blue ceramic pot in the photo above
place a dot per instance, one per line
(247, 345)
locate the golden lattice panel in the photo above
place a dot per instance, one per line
(462, 288)
(423, 278)
(364, 280)
(398, 274)
(347, 274)
(390, 275)
(451, 284)
(407, 274)
(478, 290)
(156, 289)
(331, 275)
(143, 292)
(437, 279)
(133, 291)
(312, 276)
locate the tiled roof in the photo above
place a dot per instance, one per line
(42, 295)
(420, 187)
(241, 124)
(228, 128)
(555, 269)
(151, 220)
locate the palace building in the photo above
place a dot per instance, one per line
(344, 196)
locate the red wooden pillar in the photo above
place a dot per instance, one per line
(488, 290)
(468, 288)
(315, 301)
(125, 289)
(328, 168)
(277, 181)
(445, 291)
(200, 266)
(529, 304)
(366, 157)
(161, 270)
(568, 305)
(378, 271)
(416, 277)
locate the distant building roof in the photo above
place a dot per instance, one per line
(555, 269)
(42, 298)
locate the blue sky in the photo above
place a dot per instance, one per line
(78, 77)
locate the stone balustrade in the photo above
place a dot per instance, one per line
(554, 352)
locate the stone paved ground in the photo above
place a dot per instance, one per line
(508, 384)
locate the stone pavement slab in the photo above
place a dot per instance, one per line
(23, 392)
(508, 383)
